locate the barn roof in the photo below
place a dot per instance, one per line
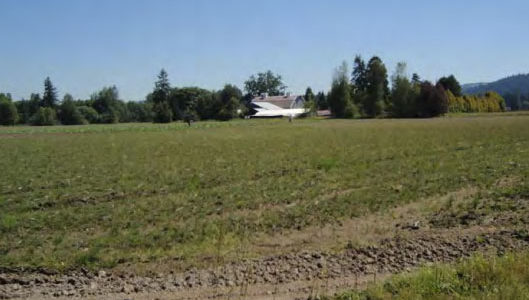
(284, 102)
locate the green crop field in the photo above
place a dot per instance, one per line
(138, 194)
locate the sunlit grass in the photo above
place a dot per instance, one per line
(480, 277)
(140, 193)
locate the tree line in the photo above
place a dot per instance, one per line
(163, 104)
(488, 102)
(517, 101)
(104, 106)
(192, 103)
(366, 93)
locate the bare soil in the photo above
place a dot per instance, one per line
(356, 252)
(298, 275)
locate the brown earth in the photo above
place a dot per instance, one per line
(314, 261)
(300, 274)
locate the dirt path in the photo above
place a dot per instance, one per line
(290, 276)
(293, 290)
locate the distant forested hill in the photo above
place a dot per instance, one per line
(515, 90)
(517, 84)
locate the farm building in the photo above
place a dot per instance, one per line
(265, 106)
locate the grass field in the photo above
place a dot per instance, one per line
(480, 277)
(139, 194)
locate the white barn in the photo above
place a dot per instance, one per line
(265, 106)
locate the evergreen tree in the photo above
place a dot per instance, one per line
(359, 75)
(310, 102)
(34, 103)
(377, 91)
(451, 84)
(162, 88)
(160, 96)
(359, 81)
(49, 98)
(321, 101)
(309, 95)
(415, 79)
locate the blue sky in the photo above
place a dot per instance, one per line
(84, 45)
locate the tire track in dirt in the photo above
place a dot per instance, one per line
(296, 275)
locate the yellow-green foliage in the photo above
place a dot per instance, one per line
(489, 102)
(476, 278)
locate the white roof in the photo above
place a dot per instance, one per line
(284, 101)
(267, 105)
(294, 112)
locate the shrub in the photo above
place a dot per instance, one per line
(89, 114)
(106, 102)
(488, 102)
(162, 113)
(189, 116)
(69, 114)
(8, 112)
(139, 111)
(27, 108)
(110, 116)
(311, 108)
(228, 110)
(45, 116)
(351, 111)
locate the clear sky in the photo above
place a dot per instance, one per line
(84, 45)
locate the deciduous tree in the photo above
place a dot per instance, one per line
(69, 113)
(432, 101)
(266, 82)
(339, 99)
(106, 103)
(8, 111)
(89, 114)
(229, 99)
(403, 94)
(45, 116)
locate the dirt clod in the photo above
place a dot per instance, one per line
(391, 256)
